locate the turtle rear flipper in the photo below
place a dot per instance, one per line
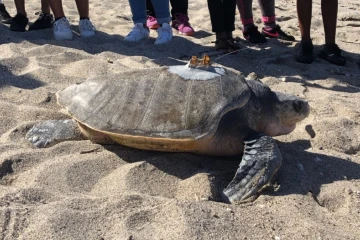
(48, 133)
(260, 162)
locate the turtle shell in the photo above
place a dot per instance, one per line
(174, 102)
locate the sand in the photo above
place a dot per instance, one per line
(82, 190)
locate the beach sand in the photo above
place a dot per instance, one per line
(82, 190)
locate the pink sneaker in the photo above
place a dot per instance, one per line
(181, 23)
(151, 22)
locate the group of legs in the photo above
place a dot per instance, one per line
(222, 16)
(60, 24)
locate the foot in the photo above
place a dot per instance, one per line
(260, 162)
(304, 52)
(181, 23)
(86, 28)
(138, 33)
(276, 32)
(253, 35)
(18, 23)
(45, 20)
(4, 15)
(48, 133)
(227, 45)
(62, 29)
(164, 34)
(332, 54)
(152, 23)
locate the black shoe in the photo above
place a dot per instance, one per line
(45, 20)
(276, 33)
(332, 54)
(19, 23)
(253, 35)
(228, 45)
(4, 15)
(304, 52)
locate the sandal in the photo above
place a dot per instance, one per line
(332, 54)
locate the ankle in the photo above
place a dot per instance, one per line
(221, 36)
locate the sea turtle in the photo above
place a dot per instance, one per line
(187, 108)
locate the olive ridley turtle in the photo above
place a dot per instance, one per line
(198, 108)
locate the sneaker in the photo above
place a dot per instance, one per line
(138, 33)
(332, 54)
(164, 34)
(18, 23)
(181, 23)
(304, 52)
(45, 20)
(276, 33)
(62, 30)
(152, 23)
(253, 35)
(4, 15)
(86, 28)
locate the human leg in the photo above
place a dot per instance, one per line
(304, 52)
(151, 20)
(180, 18)
(250, 31)
(140, 30)
(330, 51)
(61, 27)
(86, 27)
(45, 19)
(57, 8)
(271, 29)
(218, 21)
(20, 20)
(4, 15)
(162, 11)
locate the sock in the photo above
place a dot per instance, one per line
(58, 18)
(269, 21)
(82, 18)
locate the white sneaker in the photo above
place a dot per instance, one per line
(137, 33)
(62, 30)
(86, 28)
(164, 34)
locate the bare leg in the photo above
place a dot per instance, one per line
(57, 8)
(45, 7)
(20, 7)
(329, 9)
(83, 8)
(304, 10)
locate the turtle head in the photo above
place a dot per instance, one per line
(290, 110)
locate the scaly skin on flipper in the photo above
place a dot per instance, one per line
(259, 163)
(48, 133)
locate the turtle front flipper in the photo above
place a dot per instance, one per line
(259, 163)
(48, 133)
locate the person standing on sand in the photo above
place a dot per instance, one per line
(270, 29)
(140, 30)
(330, 51)
(179, 13)
(19, 22)
(222, 17)
(62, 29)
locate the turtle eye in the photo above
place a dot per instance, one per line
(298, 105)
